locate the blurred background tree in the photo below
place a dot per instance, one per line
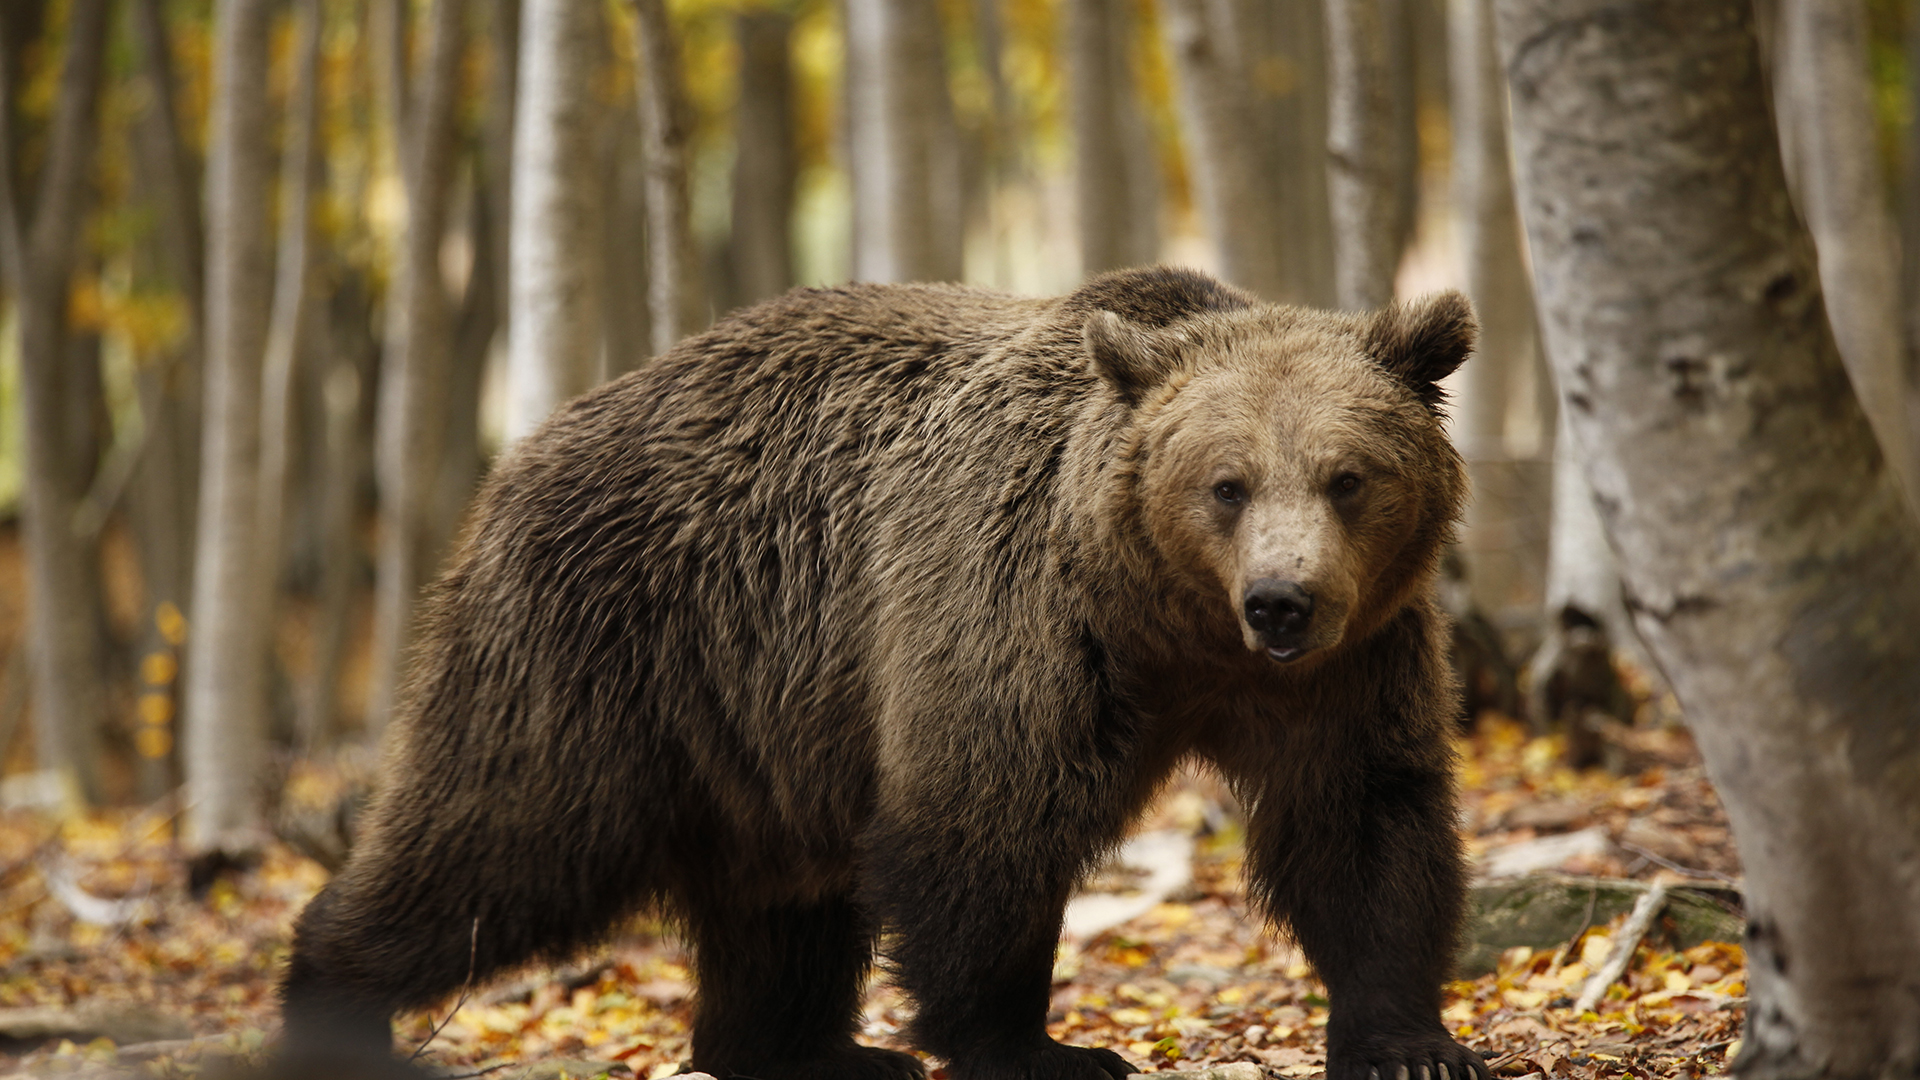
(280, 276)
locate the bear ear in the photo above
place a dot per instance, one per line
(1131, 357)
(1424, 340)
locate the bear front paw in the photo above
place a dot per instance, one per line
(1406, 1058)
(1053, 1061)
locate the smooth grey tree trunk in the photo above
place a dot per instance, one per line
(1772, 563)
(764, 165)
(553, 319)
(413, 388)
(673, 263)
(1114, 167)
(1234, 173)
(1824, 101)
(223, 721)
(289, 327)
(40, 247)
(1506, 527)
(906, 222)
(1368, 163)
(1299, 112)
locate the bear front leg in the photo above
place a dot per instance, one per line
(1366, 869)
(974, 905)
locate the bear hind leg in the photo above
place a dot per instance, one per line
(779, 994)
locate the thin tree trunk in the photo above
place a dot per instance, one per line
(905, 218)
(474, 328)
(1771, 561)
(223, 721)
(1826, 104)
(1367, 154)
(287, 331)
(673, 264)
(68, 650)
(1300, 141)
(413, 418)
(1233, 174)
(1910, 232)
(764, 169)
(553, 319)
(165, 491)
(1113, 178)
(1505, 535)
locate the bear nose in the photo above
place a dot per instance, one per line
(1278, 607)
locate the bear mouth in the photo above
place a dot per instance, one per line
(1286, 654)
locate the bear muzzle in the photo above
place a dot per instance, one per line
(1280, 614)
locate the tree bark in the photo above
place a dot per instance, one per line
(673, 264)
(764, 167)
(1826, 103)
(1234, 175)
(1771, 561)
(1366, 152)
(553, 318)
(906, 224)
(68, 649)
(224, 714)
(288, 329)
(1300, 140)
(1113, 167)
(413, 417)
(165, 492)
(1910, 232)
(1505, 535)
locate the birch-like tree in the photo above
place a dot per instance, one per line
(412, 416)
(553, 319)
(1115, 181)
(223, 722)
(1369, 165)
(292, 314)
(1824, 100)
(1505, 535)
(673, 264)
(39, 248)
(906, 180)
(1772, 561)
(1235, 175)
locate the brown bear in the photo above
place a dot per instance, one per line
(876, 614)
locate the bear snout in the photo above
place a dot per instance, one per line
(1279, 612)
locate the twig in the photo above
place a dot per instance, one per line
(473, 951)
(1645, 910)
(1688, 871)
(485, 1071)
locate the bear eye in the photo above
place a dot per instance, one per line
(1230, 492)
(1346, 484)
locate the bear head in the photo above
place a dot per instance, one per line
(1292, 464)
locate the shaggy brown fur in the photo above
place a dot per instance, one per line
(887, 608)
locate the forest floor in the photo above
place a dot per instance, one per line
(96, 921)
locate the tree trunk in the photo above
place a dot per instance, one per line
(553, 318)
(763, 162)
(1910, 231)
(905, 185)
(1368, 155)
(223, 721)
(68, 649)
(1113, 167)
(413, 388)
(1771, 562)
(287, 332)
(1825, 101)
(1300, 141)
(1233, 173)
(164, 495)
(1505, 535)
(673, 264)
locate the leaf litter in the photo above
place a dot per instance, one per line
(1193, 982)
